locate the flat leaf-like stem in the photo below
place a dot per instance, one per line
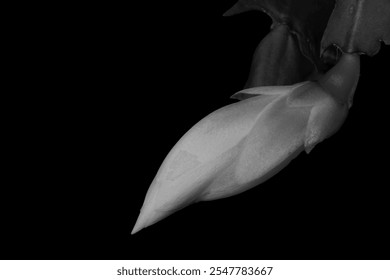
(358, 26)
(306, 18)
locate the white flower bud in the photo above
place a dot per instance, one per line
(243, 144)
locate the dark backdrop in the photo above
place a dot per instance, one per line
(114, 90)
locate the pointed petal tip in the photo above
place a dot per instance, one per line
(247, 93)
(232, 11)
(147, 217)
(310, 142)
(308, 148)
(226, 14)
(237, 96)
(135, 230)
(138, 226)
(239, 8)
(142, 221)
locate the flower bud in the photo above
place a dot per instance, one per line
(243, 144)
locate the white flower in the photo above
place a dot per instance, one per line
(243, 144)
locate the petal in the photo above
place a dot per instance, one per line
(275, 139)
(229, 151)
(325, 119)
(269, 90)
(201, 154)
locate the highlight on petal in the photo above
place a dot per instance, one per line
(243, 144)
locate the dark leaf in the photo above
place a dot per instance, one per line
(305, 18)
(358, 26)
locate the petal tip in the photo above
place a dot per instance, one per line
(139, 224)
(135, 230)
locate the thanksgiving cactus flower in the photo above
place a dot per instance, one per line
(243, 144)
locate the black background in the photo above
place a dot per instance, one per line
(112, 89)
